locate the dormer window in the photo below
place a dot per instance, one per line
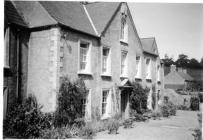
(124, 28)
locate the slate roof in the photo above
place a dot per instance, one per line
(185, 76)
(101, 13)
(12, 15)
(71, 14)
(148, 45)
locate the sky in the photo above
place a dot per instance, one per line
(177, 27)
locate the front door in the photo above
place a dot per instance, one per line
(124, 102)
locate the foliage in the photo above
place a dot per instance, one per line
(156, 115)
(56, 133)
(153, 100)
(168, 109)
(194, 103)
(99, 126)
(167, 61)
(183, 61)
(198, 131)
(138, 97)
(183, 107)
(87, 131)
(200, 97)
(26, 120)
(113, 126)
(69, 102)
(128, 123)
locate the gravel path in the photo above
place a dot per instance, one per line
(178, 127)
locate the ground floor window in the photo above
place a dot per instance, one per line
(85, 101)
(104, 100)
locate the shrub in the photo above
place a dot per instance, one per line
(69, 102)
(25, 120)
(183, 107)
(113, 126)
(194, 103)
(139, 117)
(56, 133)
(99, 126)
(200, 97)
(172, 109)
(87, 132)
(156, 115)
(164, 110)
(128, 123)
(138, 97)
(198, 131)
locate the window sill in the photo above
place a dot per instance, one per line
(6, 67)
(106, 75)
(84, 73)
(138, 77)
(105, 116)
(148, 79)
(124, 41)
(123, 76)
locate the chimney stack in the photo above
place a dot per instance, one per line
(173, 68)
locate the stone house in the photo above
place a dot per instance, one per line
(177, 78)
(97, 42)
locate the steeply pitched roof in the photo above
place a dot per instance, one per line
(34, 14)
(101, 13)
(149, 45)
(12, 15)
(185, 76)
(71, 14)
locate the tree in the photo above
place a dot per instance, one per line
(182, 61)
(168, 61)
(193, 63)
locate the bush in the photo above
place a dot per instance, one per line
(128, 123)
(113, 126)
(183, 107)
(87, 132)
(56, 133)
(25, 120)
(172, 109)
(99, 126)
(198, 131)
(194, 103)
(69, 102)
(164, 110)
(156, 115)
(138, 97)
(200, 97)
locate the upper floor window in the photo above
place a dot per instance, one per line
(84, 64)
(123, 63)
(158, 73)
(138, 67)
(106, 64)
(7, 47)
(148, 69)
(124, 27)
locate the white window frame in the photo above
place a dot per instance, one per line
(138, 67)
(108, 62)
(7, 48)
(158, 73)
(87, 70)
(124, 37)
(148, 69)
(107, 113)
(125, 73)
(87, 105)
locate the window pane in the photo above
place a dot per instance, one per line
(123, 62)
(83, 55)
(104, 100)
